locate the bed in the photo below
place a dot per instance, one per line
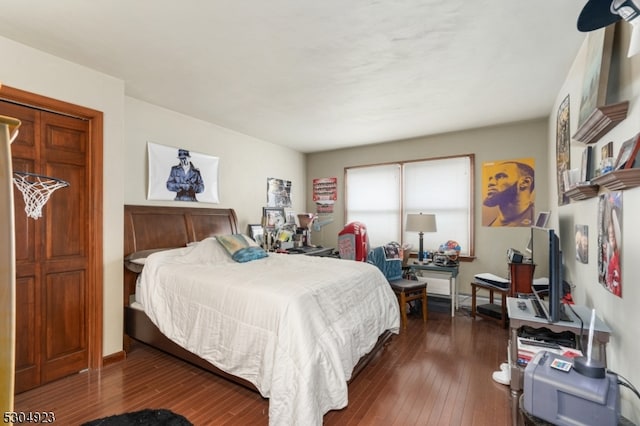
(295, 328)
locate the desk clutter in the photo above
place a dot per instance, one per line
(529, 347)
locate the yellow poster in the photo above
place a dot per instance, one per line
(508, 192)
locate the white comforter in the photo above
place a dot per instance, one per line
(293, 325)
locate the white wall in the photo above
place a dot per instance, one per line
(245, 162)
(37, 72)
(516, 140)
(621, 314)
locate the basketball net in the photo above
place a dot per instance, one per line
(36, 190)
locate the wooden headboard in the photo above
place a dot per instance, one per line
(151, 227)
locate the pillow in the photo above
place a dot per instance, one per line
(136, 260)
(241, 248)
(209, 252)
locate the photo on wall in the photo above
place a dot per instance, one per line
(278, 192)
(610, 241)
(181, 175)
(563, 156)
(582, 243)
(325, 194)
(508, 192)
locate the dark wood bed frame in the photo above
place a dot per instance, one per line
(151, 227)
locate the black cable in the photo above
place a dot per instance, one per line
(581, 327)
(626, 383)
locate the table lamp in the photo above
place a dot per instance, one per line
(421, 223)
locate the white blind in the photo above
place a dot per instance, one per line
(380, 196)
(440, 187)
(373, 198)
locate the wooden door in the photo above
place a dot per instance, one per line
(52, 253)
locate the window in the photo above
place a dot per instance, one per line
(380, 196)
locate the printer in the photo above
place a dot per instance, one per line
(557, 393)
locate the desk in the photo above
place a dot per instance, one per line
(519, 317)
(452, 271)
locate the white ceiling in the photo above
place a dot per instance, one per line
(324, 74)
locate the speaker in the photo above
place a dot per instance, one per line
(514, 256)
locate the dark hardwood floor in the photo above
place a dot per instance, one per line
(438, 373)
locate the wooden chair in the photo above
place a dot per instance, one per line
(407, 291)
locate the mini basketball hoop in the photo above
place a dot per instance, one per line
(36, 190)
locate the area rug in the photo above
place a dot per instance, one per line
(142, 418)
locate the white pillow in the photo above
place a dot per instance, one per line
(209, 251)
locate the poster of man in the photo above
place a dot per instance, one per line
(610, 241)
(180, 174)
(185, 178)
(508, 192)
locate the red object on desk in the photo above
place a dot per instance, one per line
(353, 243)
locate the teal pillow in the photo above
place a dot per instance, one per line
(240, 249)
(248, 254)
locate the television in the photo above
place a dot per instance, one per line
(547, 258)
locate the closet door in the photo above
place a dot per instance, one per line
(52, 265)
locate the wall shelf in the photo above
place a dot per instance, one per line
(619, 179)
(601, 120)
(582, 192)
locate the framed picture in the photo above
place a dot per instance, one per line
(181, 175)
(562, 149)
(606, 158)
(273, 217)
(628, 153)
(256, 232)
(606, 151)
(582, 243)
(624, 154)
(596, 76)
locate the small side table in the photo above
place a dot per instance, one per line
(504, 292)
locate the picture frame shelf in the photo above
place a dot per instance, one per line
(619, 179)
(601, 121)
(582, 192)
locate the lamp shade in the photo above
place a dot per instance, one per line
(421, 223)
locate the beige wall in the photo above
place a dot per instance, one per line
(245, 162)
(33, 71)
(621, 314)
(516, 140)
